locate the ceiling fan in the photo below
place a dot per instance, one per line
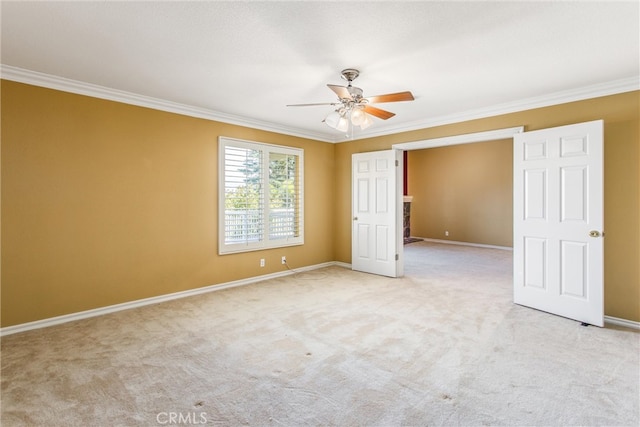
(353, 107)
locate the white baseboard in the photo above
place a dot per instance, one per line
(622, 322)
(454, 242)
(342, 264)
(44, 323)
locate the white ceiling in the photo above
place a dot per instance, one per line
(246, 60)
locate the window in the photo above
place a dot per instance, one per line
(261, 196)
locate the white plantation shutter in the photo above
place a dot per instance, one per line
(244, 196)
(261, 196)
(285, 196)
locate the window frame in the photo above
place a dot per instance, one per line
(265, 242)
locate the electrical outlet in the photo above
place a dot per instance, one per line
(446, 233)
(262, 262)
(284, 260)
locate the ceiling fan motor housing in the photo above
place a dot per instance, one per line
(350, 74)
(356, 92)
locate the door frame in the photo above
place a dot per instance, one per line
(467, 138)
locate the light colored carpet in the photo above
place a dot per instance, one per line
(442, 346)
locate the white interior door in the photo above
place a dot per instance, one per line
(377, 213)
(558, 221)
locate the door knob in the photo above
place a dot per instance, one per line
(594, 233)
(355, 218)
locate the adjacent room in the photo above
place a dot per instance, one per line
(202, 213)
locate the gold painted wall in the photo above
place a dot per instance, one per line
(621, 115)
(104, 203)
(466, 190)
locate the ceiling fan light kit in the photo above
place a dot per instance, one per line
(354, 109)
(340, 118)
(338, 121)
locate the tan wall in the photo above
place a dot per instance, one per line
(466, 190)
(104, 203)
(621, 115)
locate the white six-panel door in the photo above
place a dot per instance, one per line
(558, 221)
(377, 213)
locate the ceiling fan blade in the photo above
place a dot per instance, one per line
(341, 91)
(381, 114)
(311, 105)
(391, 97)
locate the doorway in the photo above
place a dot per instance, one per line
(463, 193)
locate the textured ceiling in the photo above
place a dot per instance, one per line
(249, 59)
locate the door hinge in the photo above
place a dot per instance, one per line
(397, 163)
(397, 257)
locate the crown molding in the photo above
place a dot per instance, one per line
(587, 92)
(35, 78)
